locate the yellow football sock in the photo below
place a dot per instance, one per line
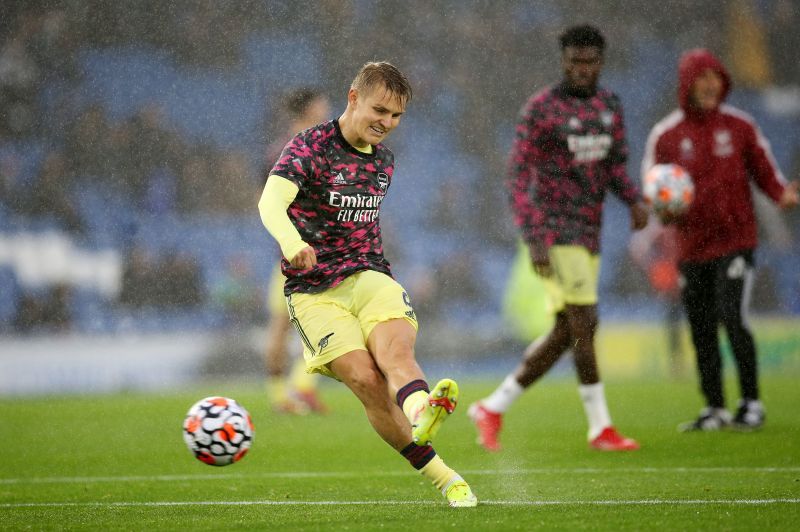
(413, 402)
(301, 380)
(277, 391)
(437, 472)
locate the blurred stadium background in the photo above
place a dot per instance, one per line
(132, 155)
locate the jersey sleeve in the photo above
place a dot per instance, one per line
(296, 163)
(620, 182)
(654, 152)
(278, 194)
(525, 151)
(761, 164)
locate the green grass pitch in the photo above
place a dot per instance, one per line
(119, 462)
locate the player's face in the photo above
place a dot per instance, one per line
(376, 113)
(707, 90)
(582, 66)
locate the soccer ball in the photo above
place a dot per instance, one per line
(668, 189)
(218, 431)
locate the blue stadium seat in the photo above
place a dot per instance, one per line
(9, 287)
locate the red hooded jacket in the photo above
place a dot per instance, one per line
(722, 150)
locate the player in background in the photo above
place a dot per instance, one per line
(569, 150)
(655, 251)
(722, 148)
(295, 391)
(321, 203)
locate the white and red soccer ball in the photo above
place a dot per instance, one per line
(218, 431)
(668, 189)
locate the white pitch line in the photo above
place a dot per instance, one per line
(610, 502)
(351, 474)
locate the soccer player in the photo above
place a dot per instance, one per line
(321, 203)
(569, 149)
(295, 391)
(723, 149)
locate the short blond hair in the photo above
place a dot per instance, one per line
(381, 73)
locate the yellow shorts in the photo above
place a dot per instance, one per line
(276, 301)
(340, 319)
(575, 276)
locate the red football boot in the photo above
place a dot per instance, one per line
(312, 401)
(488, 424)
(611, 440)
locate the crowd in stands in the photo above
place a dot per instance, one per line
(172, 280)
(472, 64)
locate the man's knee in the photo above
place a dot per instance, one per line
(730, 312)
(582, 320)
(392, 345)
(366, 382)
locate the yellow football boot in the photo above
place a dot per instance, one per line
(459, 495)
(441, 402)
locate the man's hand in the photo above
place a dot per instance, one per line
(540, 260)
(790, 197)
(669, 217)
(305, 259)
(639, 216)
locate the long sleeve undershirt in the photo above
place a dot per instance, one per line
(278, 194)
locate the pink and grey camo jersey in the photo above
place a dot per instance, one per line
(337, 208)
(567, 152)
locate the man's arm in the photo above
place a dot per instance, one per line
(278, 194)
(621, 183)
(765, 172)
(521, 177)
(521, 172)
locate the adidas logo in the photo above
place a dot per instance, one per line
(339, 179)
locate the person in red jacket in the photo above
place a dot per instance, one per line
(723, 150)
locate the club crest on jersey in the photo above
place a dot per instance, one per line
(574, 123)
(339, 179)
(686, 148)
(607, 118)
(383, 181)
(723, 147)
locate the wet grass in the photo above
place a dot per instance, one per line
(118, 461)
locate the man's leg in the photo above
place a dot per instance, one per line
(359, 371)
(539, 357)
(304, 387)
(734, 282)
(583, 325)
(699, 301)
(391, 344)
(602, 434)
(701, 311)
(582, 321)
(275, 360)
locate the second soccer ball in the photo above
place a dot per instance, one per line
(668, 189)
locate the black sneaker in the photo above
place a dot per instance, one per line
(749, 416)
(710, 419)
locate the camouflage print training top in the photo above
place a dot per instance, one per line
(568, 150)
(337, 208)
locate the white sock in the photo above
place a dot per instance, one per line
(594, 403)
(504, 396)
